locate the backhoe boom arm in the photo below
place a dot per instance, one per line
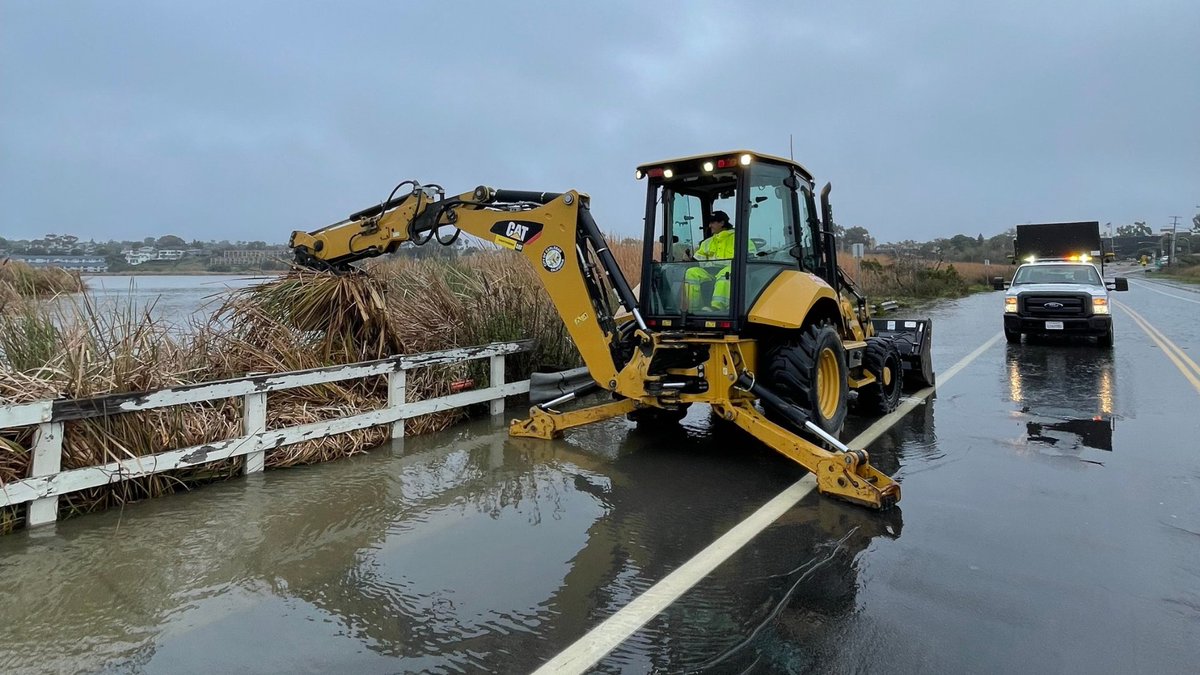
(555, 232)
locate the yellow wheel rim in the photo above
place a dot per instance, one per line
(887, 376)
(829, 382)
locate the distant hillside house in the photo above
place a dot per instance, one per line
(78, 263)
(142, 254)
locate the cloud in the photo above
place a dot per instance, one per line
(221, 119)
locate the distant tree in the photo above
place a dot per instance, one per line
(171, 241)
(857, 235)
(1196, 223)
(148, 241)
(117, 262)
(1137, 229)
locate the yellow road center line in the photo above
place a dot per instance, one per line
(1171, 346)
(587, 650)
(1169, 295)
(1185, 365)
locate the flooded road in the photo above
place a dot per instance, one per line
(1050, 523)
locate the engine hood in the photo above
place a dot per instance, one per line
(1050, 289)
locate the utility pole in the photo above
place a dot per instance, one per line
(1174, 226)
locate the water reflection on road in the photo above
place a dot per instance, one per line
(466, 550)
(1066, 392)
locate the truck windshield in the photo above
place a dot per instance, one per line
(1057, 274)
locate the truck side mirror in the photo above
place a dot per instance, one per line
(998, 283)
(1118, 284)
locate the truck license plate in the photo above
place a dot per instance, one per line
(1054, 325)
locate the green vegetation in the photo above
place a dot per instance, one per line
(909, 280)
(1186, 268)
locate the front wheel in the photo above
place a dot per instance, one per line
(1106, 340)
(810, 373)
(882, 360)
(1013, 336)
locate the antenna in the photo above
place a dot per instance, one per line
(791, 152)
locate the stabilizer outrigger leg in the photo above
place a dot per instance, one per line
(545, 422)
(843, 473)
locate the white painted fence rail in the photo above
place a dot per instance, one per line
(47, 481)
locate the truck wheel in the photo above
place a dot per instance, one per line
(811, 374)
(1106, 340)
(882, 360)
(1013, 336)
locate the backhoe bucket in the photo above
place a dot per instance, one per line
(914, 338)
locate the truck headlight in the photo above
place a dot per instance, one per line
(1010, 305)
(1100, 306)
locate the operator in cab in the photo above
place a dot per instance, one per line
(717, 248)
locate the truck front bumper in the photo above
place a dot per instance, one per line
(1092, 325)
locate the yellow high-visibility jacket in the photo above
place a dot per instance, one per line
(717, 247)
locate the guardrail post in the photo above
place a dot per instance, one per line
(254, 421)
(47, 460)
(497, 379)
(397, 390)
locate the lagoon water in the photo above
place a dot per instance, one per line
(173, 299)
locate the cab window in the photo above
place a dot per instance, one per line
(772, 246)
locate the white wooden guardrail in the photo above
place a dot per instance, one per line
(46, 481)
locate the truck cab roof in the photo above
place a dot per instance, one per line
(1058, 272)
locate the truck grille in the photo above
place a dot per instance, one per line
(1051, 306)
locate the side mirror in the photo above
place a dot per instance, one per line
(1118, 284)
(998, 283)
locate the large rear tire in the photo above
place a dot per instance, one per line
(810, 373)
(882, 360)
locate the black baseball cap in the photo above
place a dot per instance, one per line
(719, 216)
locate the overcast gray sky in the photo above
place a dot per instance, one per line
(245, 120)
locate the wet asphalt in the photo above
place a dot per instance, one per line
(1050, 522)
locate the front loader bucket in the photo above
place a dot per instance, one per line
(914, 338)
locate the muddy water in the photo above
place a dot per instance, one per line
(1048, 524)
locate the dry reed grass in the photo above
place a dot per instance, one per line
(885, 278)
(297, 321)
(19, 280)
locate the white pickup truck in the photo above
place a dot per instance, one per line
(1061, 298)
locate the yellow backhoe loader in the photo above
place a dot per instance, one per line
(742, 301)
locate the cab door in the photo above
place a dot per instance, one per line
(774, 218)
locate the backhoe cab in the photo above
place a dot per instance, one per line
(754, 312)
(778, 281)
